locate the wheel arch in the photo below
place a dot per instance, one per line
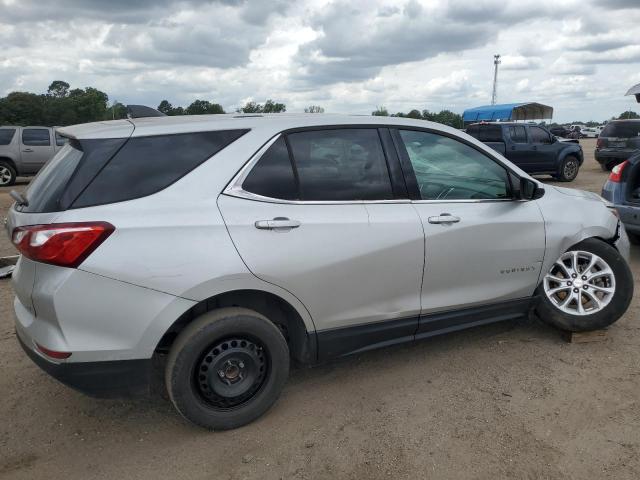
(10, 161)
(301, 340)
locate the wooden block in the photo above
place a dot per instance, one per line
(585, 337)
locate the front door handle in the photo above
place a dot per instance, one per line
(278, 224)
(444, 218)
(27, 150)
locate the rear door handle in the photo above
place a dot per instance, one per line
(278, 223)
(27, 150)
(444, 218)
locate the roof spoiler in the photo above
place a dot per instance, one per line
(142, 111)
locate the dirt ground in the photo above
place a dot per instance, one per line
(510, 400)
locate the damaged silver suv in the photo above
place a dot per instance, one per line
(219, 249)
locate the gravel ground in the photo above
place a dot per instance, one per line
(510, 400)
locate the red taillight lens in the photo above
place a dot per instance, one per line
(616, 172)
(600, 143)
(63, 244)
(53, 353)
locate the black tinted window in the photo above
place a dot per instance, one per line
(344, 164)
(273, 175)
(146, 165)
(60, 140)
(6, 135)
(46, 188)
(518, 134)
(36, 137)
(447, 169)
(539, 135)
(486, 133)
(621, 129)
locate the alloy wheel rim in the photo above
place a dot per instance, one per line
(5, 176)
(231, 372)
(580, 283)
(570, 169)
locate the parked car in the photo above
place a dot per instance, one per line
(622, 188)
(532, 148)
(589, 132)
(560, 131)
(617, 142)
(218, 249)
(24, 150)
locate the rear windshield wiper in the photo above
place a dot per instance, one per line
(20, 199)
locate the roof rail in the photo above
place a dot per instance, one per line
(142, 111)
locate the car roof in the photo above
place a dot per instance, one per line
(148, 126)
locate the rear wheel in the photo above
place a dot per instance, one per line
(569, 169)
(634, 238)
(607, 166)
(589, 287)
(227, 368)
(7, 174)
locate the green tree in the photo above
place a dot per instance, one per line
(628, 115)
(269, 107)
(22, 108)
(165, 107)
(314, 109)
(116, 111)
(203, 107)
(380, 112)
(58, 89)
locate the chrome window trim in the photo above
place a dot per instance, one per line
(234, 189)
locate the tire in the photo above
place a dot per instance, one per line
(213, 372)
(614, 304)
(634, 238)
(8, 174)
(569, 169)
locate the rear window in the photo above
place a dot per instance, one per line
(621, 129)
(60, 140)
(486, 133)
(47, 187)
(146, 165)
(6, 135)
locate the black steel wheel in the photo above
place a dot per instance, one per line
(227, 368)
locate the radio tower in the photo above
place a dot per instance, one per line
(494, 95)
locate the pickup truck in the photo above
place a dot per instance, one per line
(532, 148)
(24, 150)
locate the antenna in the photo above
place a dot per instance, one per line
(494, 95)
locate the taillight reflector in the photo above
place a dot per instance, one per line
(616, 172)
(52, 353)
(63, 244)
(600, 143)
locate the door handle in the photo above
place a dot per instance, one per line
(444, 218)
(27, 150)
(278, 223)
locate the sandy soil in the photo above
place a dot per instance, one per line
(511, 400)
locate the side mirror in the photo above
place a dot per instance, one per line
(530, 190)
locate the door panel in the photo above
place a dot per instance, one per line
(493, 253)
(36, 148)
(349, 264)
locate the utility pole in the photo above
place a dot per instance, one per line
(494, 95)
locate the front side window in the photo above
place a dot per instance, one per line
(36, 137)
(447, 169)
(273, 175)
(518, 134)
(341, 164)
(6, 135)
(538, 135)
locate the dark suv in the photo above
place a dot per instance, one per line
(617, 142)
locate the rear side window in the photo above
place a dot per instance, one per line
(273, 175)
(538, 135)
(621, 129)
(60, 140)
(146, 165)
(6, 135)
(486, 133)
(341, 164)
(36, 137)
(518, 134)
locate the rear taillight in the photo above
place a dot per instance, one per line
(616, 172)
(600, 143)
(63, 244)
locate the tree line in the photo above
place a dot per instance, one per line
(61, 105)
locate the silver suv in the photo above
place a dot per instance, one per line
(24, 150)
(217, 250)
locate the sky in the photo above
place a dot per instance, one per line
(579, 56)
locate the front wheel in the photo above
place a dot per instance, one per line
(227, 368)
(8, 174)
(569, 169)
(589, 287)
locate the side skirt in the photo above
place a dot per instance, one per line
(340, 342)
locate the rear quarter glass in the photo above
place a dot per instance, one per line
(6, 135)
(146, 165)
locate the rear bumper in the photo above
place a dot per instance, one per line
(612, 156)
(109, 379)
